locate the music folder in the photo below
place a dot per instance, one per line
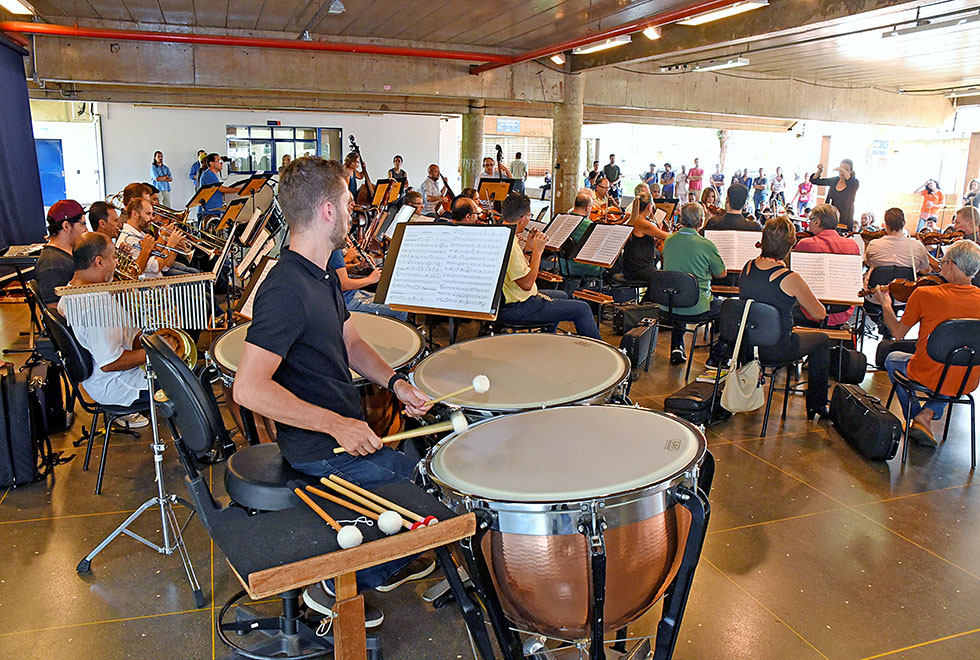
(381, 187)
(203, 195)
(252, 185)
(497, 189)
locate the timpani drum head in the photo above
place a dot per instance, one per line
(565, 454)
(526, 371)
(397, 342)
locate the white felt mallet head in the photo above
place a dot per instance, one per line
(390, 522)
(481, 384)
(349, 536)
(459, 421)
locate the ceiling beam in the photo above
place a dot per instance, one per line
(784, 18)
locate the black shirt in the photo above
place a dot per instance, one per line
(299, 315)
(843, 200)
(732, 221)
(639, 253)
(55, 268)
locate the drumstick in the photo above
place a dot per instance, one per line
(480, 385)
(316, 509)
(377, 498)
(456, 423)
(356, 509)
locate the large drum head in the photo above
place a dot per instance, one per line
(526, 371)
(565, 454)
(397, 342)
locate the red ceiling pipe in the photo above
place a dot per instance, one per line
(657, 19)
(50, 29)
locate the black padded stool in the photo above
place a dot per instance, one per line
(257, 478)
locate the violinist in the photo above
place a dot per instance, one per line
(640, 188)
(602, 197)
(733, 218)
(582, 208)
(967, 220)
(640, 255)
(897, 249)
(930, 306)
(465, 211)
(709, 200)
(431, 190)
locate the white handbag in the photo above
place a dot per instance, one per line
(743, 386)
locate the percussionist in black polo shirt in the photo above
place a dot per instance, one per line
(299, 350)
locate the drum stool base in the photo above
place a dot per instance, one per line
(640, 651)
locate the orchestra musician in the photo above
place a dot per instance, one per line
(843, 190)
(602, 197)
(928, 307)
(300, 348)
(396, 172)
(967, 220)
(208, 176)
(103, 217)
(353, 171)
(582, 208)
(824, 220)
(491, 170)
(897, 249)
(465, 211)
(355, 297)
(55, 267)
(431, 190)
(522, 301)
(640, 188)
(640, 255)
(735, 200)
(709, 200)
(133, 235)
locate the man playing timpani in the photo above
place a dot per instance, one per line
(295, 367)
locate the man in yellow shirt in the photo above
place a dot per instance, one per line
(522, 302)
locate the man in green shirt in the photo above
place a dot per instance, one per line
(583, 205)
(686, 251)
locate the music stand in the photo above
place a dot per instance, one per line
(203, 195)
(252, 185)
(231, 213)
(381, 191)
(495, 190)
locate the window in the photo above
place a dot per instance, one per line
(261, 148)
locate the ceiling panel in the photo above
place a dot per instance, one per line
(242, 14)
(177, 12)
(144, 11)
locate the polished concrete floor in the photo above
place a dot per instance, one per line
(813, 552)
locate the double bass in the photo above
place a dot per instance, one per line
(365, 194)
(446, 192)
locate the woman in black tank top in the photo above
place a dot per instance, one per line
(767, 280)
(640, 255)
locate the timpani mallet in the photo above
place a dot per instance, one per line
(364, 492)
(389, 522)
(457, 423)
(348, 536)
(479, 385)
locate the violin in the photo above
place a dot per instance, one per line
(714, 210)
(800, 235)
(610, 214)
(901, 290)
(868, 236)
(938, 238)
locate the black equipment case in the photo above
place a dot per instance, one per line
(627, 317)
(866, 424)
(693, 402)
(847, 365)
(639, 343)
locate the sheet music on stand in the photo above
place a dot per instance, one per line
(735, 247)
(495, 189)
(456, 270)
(833, 278)
(259, 249)
(381, 187)
(663, 211)
(602, 244)
(560, 229)
(404, 215)
(531, 224)
(203, 194)
(247, 300)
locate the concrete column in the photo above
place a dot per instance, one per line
(471, 148)
(566, 138)
(821, 194)
(972, 161)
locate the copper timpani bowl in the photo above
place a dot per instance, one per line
(537, 476)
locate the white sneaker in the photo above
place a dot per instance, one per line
(133, 421)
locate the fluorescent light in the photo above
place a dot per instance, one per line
(718, 14)
(652, 33)
(602, 45)
(926, 25)
(718, 65)
(558, 59)
(960, 93)
(17, 7)
(336, 8)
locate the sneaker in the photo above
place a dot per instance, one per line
(416, 570)
(921, 434)
(133, 421)
(318, 599)
(677, 356)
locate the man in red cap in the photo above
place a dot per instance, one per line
(66, 224)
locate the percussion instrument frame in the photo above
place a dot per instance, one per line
(589, 517)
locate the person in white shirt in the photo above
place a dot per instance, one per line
(519, 169)
(431, 190)
(117, 379)
(492, 171)
(139, 244)
(680, 184)
(897, 249)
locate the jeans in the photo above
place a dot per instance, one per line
(816, 348)
(538, 309)
(383, 466)
(177, 268)
(898, 362)
(364, 302)
(800, 207)
(519, 187)
(758, 201)
(679, 327)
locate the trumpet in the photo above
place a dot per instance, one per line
(169, 214)
(210, 246)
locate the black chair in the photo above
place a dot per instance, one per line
(675, 289)
(762, 330)
(953, 343)
(77, 363)
(881, 275)
(43, 346)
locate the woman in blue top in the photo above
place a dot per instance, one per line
(161, 177)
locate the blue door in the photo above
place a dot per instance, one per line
(51, 165)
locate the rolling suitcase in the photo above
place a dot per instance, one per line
(639, 343)
(866, 424)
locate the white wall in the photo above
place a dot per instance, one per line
(132, 133)
(80, 149)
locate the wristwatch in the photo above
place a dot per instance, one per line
(394, 379)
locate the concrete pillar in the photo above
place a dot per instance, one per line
(566, 137)
(824, 157)
(471, 148)
(972, 161)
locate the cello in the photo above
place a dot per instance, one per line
(365, 194)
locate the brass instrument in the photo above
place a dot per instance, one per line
(209, 244)
(169, 214)
(127, 270)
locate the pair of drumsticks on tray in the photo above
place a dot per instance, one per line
(391, 517)
(456, 422)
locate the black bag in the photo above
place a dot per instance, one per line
(866, 424)
(693, 402)
(627, 317)
(847, 365)
(46, 382)
(639, 344)
(886, 346)
(18, 432)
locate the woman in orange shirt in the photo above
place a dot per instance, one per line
(932, 201)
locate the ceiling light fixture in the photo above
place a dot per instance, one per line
(602, 45)
(336, 8)
(718, 14)
(961, 92)
(558, 58)
(18, 7)
(718, 65)
(675, 68)
(926, 25)
(652, 33)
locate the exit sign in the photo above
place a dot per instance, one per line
(506, 125)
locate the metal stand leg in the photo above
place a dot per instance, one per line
(510, 644)
(592, 527)
(172, 530)
(471, 613)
